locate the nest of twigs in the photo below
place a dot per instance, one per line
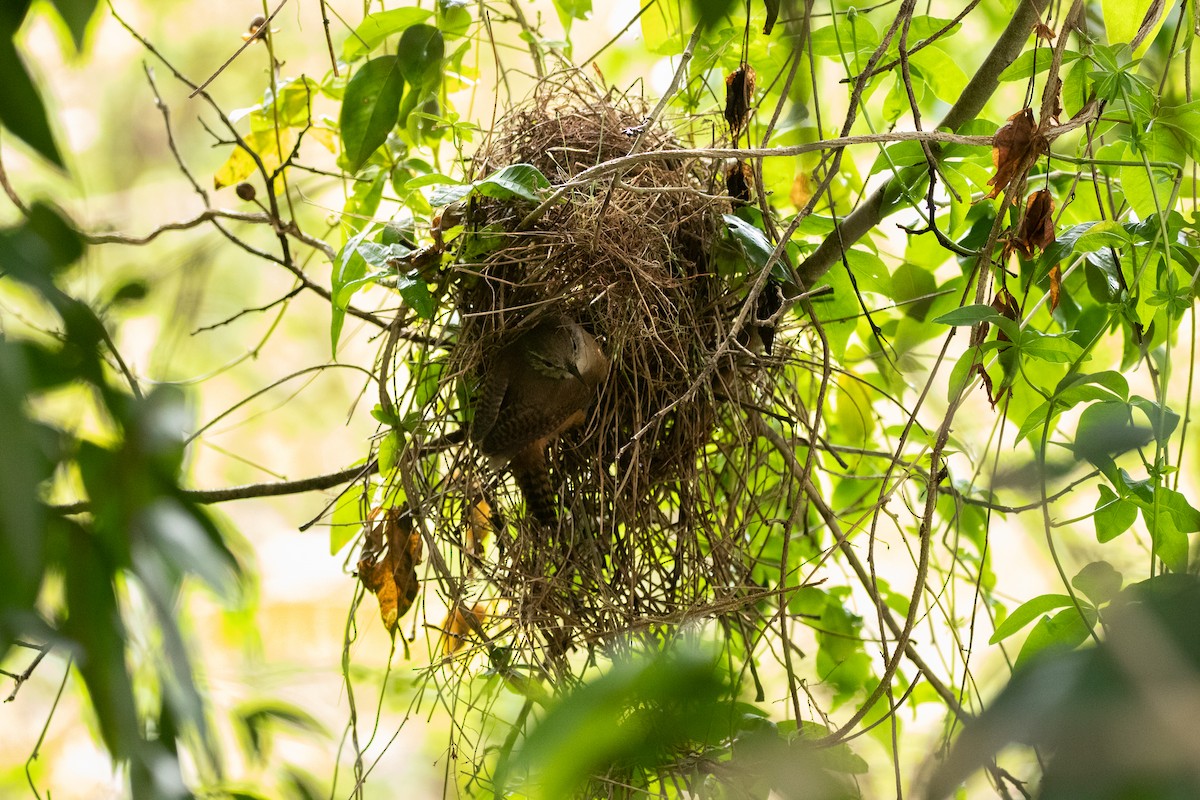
(644, 533)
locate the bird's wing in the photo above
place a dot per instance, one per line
(487, 406)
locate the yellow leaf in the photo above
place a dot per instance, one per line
(240, 165)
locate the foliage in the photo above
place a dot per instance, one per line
(867, 409)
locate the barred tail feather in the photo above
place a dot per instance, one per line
(540, 500)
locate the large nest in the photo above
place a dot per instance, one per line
(644, 532)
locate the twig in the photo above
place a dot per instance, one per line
(20, 679)
(251, 40)
(252, 490)
(979, 89)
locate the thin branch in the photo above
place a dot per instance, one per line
(251, 40)
(979, 89)
(253, 490)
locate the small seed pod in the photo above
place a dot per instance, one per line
(246, 191)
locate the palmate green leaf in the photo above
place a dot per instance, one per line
(370, 108)
(375, 28)
(1026, 613)
(1113, 515)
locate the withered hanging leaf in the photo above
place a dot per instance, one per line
(1055, 286)
(738, 180)
(459, 625)
(993, 397)
(739, 96)
(802, 190)
(1037, 226)
(769, 303)
(772, 15)
(479, 525)
(1006, 306)
(388, 565)
(1043, 31)
(1014, 147)
(1054, 87)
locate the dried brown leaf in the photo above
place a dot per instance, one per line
(1014, 148)
(739, 97)
(802, 190)
(459, 625)
(479, 525)
(1006, 306)
(1055, 286)
(1037, 226)
(388, 565)
(738, 180)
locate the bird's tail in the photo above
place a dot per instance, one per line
(533, 476)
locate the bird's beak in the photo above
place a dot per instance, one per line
(574, 370)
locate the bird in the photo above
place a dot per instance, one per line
(535, 388)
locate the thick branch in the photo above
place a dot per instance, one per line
(981, 87)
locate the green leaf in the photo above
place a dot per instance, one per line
(454, 18)
(1026, 613)
(1032, 62)
(1163, 421)
(1066, 630)
(575, 9)
(420, 55)
(515, 180)
(370, 108)
(1056, 348)
(347, 270)
(94, 624)
(662, 29)
(1168, 530)
(1098, 581)
(754, 242)
(1106, 430)
(375, 28)
(23, 467)
(1113, 515)
(415, 292)
(852, 34)
(76, 14)
(445, 194)
(969, 315)
(1122, 18)
(348, 518)
(21, 108)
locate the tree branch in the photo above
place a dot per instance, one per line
(254, 490)
(981, 87)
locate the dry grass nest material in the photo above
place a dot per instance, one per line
(633, 266)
